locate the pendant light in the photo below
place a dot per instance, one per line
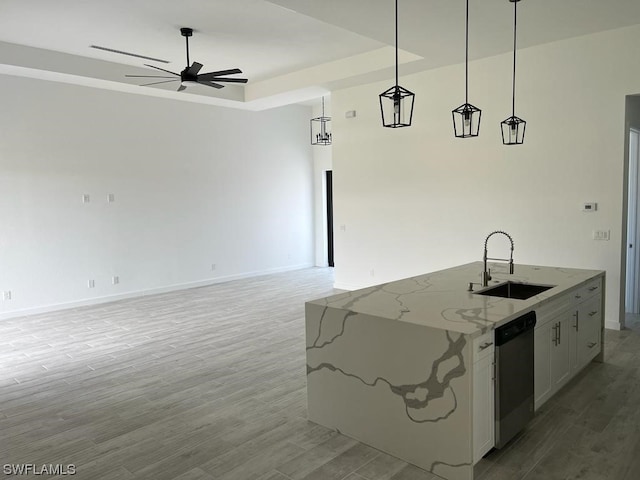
(466, 118)
(320, 129)
(513, 127)
(396, 103)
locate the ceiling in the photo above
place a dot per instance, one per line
(291, 50)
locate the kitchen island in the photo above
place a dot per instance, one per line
(398, 365)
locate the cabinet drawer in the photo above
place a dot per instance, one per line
(589, 323)
(483, 346)
(594, 287)
(592, 310)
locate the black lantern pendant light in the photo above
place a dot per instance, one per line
(396, 103)
(513, 127)
(466, 118)
(320, 129)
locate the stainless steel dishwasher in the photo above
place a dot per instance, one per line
(514, 377)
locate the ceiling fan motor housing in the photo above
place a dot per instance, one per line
(186, 76)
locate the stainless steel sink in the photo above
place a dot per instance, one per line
(519, 291)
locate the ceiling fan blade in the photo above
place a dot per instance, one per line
(230, 80)
(162, 69)
(194, 68)
(211, 84)
(221, 73)
(129, 53)
(181, 88)
(147, 76)
(156, 83)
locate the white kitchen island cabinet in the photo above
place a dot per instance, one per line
(398, 366)
(483, 395)
(568, 335)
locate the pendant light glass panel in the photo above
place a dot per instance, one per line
(513, 131)
(466, 121)
(321, 129)
(396, 107)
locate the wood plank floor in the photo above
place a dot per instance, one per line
(209, 383)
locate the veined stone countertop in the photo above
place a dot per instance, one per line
(441, 300)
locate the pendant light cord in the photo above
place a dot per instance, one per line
(466, 57)
(396, 43)
(515, 23)
(323, 107)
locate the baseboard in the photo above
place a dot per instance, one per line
(346, 286)
(152, 291)
(612, 325)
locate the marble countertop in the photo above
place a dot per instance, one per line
(441, 300)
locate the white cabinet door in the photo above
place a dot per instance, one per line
(483, 406)
(542, 364)
(560, 351)
(552, 357)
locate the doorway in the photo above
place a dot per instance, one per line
(329, 202)
(632, 287)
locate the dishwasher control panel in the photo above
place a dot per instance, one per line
(515, 327)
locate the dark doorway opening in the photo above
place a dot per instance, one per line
(329, 178)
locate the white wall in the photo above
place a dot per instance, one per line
(194, 185)
(416, 200)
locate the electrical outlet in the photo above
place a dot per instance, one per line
(6, 295)
(91, 284)
(111, 198)
(373, 272)
(213, 267)
(115, 280)
(601, 234)
(86, 198)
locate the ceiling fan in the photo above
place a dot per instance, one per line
(190, 75)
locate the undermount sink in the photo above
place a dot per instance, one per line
(519, 291)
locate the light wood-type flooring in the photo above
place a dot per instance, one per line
(209, 383)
